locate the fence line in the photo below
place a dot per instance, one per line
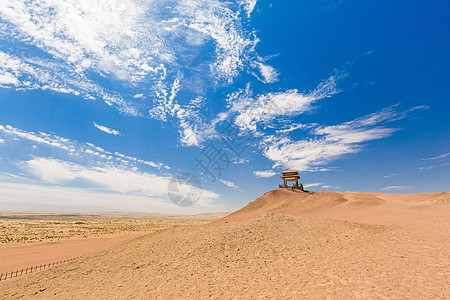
(13, 274)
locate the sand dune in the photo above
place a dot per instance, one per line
(369, 208)
(284, 245)
(441, 198)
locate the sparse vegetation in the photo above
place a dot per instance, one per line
(31, 231)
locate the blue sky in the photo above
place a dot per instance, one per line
(104, 102)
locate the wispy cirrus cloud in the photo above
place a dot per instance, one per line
(84, 151)
(37, 74)
(247, 111)
(329, 143)
(433, 166)
(309, 185)
(330, 187)
(230, 184)
(36, 196)
(264, 174)
(124, 181)
(396, 187)
(440, 158)
(267, 107)
(114, 179)
(268, 73)
(100, 36)
(146, 45)
(107, 129)
(94, 170)
(249, 6)
(437, 157)
(391, 175)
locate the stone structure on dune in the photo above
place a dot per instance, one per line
(291, 175)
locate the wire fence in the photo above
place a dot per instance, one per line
(13, 274)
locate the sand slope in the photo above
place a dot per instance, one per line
(416, 210)
(284, 245)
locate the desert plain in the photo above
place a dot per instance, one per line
(284, 245)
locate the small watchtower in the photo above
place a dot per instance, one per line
(290, 175)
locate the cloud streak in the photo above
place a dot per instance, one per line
(264, 174)
(309, 185)
(396, 187)
(33, 196)
(37, 74)
(75, 149)
(267, 107)
(113, 179)
(437, 157)
(230, 184)
(106, 129)
(76, 46)
(329, 143)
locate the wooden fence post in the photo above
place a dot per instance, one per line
(4, 276)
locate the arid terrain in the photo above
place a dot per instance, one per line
(283, 245)
(33, 238)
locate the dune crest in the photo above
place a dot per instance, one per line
(363, 207)
(441, 198)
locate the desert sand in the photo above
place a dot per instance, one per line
(16, 256)
(284, 245)
(29, 239)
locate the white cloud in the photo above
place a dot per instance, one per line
(268, 72)
(293, 128)
(76, 149)
(32, 74)
(249, 6)
(437, 157)
(146, 43)
(268, 106)
(2, 141)
(264, 174)
(329, 142)
(396, 187)
(125, 181)
(330, 187)
(433, 166)
(192, 129)
(100, 35)
(238, 160)
(308, 185)
(230, 184)
(394, 174)
(32, 196)
(106, 129)
(220, 23)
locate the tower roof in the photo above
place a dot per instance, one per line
(289, 172)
